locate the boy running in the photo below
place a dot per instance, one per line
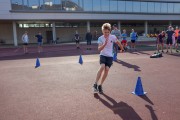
(106, 55)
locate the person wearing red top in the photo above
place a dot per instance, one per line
(177, 37)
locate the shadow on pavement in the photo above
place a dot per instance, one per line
(144, 97)
(128, 65)
(122, 109)
(153, 115)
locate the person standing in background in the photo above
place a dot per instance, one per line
(25, 40)
(133, 36)
(89, 39)
(77, 38)
(169, 34)
(176, 37)
(39, 41)
(117, 33)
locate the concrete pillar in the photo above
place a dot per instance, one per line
(15, 34)
(54, 31)
(88, 26)
(119, 25)
(146, 28)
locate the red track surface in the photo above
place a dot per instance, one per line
(61, 89)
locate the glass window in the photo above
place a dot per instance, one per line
(121, 6)
(34, 4)
(76, 5)
(88, 5)
(151, 7)
(129, 6)
(177, 8)
(105, 5)
(136, 7)
(96, 5)
(157, 8)
(41, 4)
(51, 4)
(17, 4)
(164, 8)
(144, 7)
(25, 3)
(113, 6)
(170, 7)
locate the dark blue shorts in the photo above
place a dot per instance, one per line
(108, 61)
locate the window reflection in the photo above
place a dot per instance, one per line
(157, 7)
(164, 7)
(17, 4)
(96, 5)
(144, 7)
(151, 7)
(105, 5)
(170, 7)
(136, 7)
(113, 6)
(52, 4)
(129, 6)
(71, 5)
(177, 8)
(121, 6)
(88, 5)
(34, 4)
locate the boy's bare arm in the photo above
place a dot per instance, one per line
(120, 45)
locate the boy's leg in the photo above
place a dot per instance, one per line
(106, 70)
(101, 69)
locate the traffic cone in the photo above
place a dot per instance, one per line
(114, 57)
(80, 60)
(139, 88)
(37, 63)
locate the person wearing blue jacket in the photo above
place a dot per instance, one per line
(133, 36)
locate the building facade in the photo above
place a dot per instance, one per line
(61, 18)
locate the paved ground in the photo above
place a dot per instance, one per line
(61, 88)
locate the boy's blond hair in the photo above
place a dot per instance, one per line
(106, 26)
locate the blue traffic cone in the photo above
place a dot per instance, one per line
(37, 63)
(114, 57)
(139, 88)
(80, 60)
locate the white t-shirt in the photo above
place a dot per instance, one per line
(108, 49)
(25, 38)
